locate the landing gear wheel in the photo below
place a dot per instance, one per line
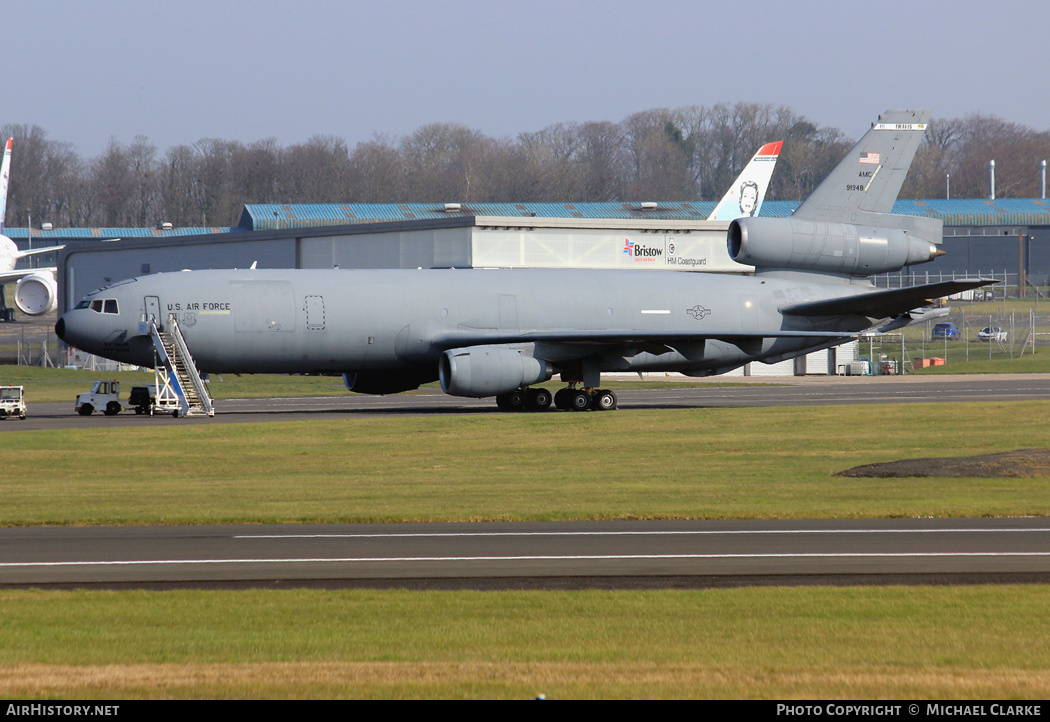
(604, 400)
(85, 410)
(538, 399)
(511, 401)
(112, 408)
(581, 401)
(563, 399)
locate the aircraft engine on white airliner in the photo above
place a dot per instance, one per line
(799, 244)
(481, 371)
(36, 294)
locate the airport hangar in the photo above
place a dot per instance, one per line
(979, 237)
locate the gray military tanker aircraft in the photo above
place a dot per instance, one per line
(500, 332)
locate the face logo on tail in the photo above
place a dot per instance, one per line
(748, 198)
(698, 312)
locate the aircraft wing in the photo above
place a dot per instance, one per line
(16, 275)
(884, 304)
(625, 337)
(35, 251)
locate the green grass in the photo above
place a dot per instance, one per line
(985, 642)
(979, 363)
(937, 643)
(691, 463)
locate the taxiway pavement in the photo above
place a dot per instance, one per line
(620, 554)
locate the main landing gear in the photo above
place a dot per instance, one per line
(569, 399)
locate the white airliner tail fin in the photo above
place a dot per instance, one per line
(744, 197)
(5, 171)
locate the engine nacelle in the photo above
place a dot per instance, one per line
(36, 294)
(380, 383)
(488, 371)
(804, 245)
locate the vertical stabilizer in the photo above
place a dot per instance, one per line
(5, 171)
(871, 175)
(745, 196)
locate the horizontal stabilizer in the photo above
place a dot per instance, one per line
(884, 304)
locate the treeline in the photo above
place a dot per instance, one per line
(690, 153)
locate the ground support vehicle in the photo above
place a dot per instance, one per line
(12, 402)
(104, 395)
(143, 399)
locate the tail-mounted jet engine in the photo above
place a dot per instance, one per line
(804, 245)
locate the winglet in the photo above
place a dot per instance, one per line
(744, 197)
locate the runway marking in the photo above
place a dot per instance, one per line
(629, 533)
(547, 557)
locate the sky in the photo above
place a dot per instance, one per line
(102, 70)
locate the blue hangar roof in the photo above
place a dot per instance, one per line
(965, 212)
(262, 216)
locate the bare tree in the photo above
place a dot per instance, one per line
(684, 153)
(376, 172)
(603, 162)
(441, 162)
(316, 171)
(551, 163)
(180, 193)
(661, 156)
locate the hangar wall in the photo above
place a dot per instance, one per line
(679, 246)
(425, 248)
(465, 242)
(84, 267)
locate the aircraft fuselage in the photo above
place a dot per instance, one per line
(336, 321)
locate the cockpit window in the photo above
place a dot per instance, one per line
(99, 305)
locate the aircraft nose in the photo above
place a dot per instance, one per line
(60, 329)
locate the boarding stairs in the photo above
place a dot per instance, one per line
(179, 386)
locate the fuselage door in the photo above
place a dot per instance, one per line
(315, 313)
(153, 312)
